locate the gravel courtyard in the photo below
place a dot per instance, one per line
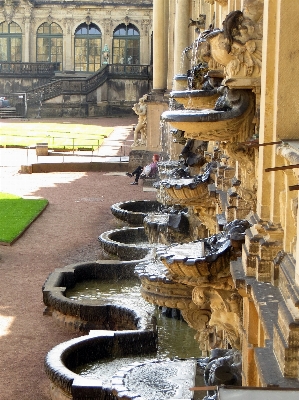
(67, 232)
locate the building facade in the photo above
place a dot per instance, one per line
(42, 41)
(243, 56)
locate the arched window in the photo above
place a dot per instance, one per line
(10, 42)
(49, 42)
(88, 44)
(126, 45)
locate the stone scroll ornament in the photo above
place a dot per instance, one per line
(140, 132)
(238, 47)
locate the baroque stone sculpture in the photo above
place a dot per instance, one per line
(140, 129)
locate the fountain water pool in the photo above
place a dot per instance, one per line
(127, 293)
(134, 212)
(102, 347)
(127, 243)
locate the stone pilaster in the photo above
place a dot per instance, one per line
(181, 36)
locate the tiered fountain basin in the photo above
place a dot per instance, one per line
(181, 80)
(167, 228)
(136, 380)
(186, 191)
(211, 125)
(88, 314)
(158, 288)
(101, 365)
(196, 99)
(126, 243)
(63, 360)
(204, 262)
(134, 212)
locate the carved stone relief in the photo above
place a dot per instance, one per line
(226, 306)
(9, 11)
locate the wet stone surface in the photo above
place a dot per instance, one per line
(154, 270)
(162, 380)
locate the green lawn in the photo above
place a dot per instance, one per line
(57, 135)
(16, 215)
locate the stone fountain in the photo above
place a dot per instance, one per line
(218, 108)
(185, 256)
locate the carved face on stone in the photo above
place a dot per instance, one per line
(203, 53)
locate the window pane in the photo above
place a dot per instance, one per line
(48, 46)
(15, 49)
(3, 49)
(120, 32)
(42, 49)
(14, 28)
(94, 30)
(55, 28)
(81, 30)
(46, 28)
(126, 49)
(130, 43)
(4, 27)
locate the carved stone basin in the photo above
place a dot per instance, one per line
(127, 243)
(181, 80)
(186, 191)
(209, 125)
(132, 380)
(88, 314)
(134, 212)
(196, 99)
(158, 289)
(62, 361)
(202, 262)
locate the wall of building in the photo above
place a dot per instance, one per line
(107, 15)
(265, 274)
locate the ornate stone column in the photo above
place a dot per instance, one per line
(159, 50)
(68, 60)
(181, 36)
(27, 24)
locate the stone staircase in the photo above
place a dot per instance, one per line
(8, 112)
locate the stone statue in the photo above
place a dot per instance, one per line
(200, 23)
(106, 54)
(238, 47)
(140, 130)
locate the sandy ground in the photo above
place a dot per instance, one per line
(67, 232)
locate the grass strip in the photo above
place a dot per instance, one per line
(58, 136)
(16, 215)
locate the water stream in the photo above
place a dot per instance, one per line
(175, 337)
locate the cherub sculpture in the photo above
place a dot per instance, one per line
(140, 129)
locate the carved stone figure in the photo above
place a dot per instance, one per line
(106, 54)
(239, 46)
(140, 130)
(199, 23)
